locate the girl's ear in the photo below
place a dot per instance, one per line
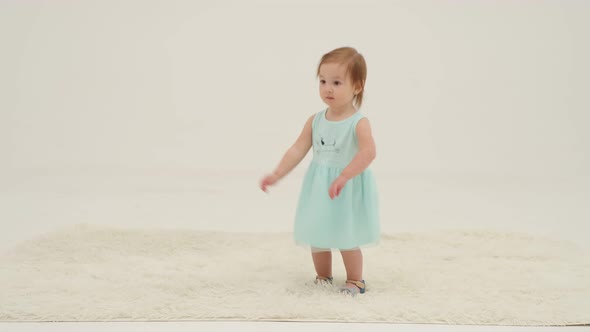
(358, 88)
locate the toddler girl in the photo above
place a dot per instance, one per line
(338, 207)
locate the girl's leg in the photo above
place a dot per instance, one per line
(353, 262)
(322, 261)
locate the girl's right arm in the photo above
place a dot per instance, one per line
(292, 157)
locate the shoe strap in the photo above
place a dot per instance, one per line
(357, 283)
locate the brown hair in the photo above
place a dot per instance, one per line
(356, 68)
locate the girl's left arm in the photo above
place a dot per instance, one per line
(366, 152)
(361, 160)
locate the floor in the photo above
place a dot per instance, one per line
(34, 202)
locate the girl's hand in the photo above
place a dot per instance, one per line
(337, 186)
(268, 180)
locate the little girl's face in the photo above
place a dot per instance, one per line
(336, 87)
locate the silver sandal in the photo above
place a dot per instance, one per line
(359, 289)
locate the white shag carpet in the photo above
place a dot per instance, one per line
(92, 273)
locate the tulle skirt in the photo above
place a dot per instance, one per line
(349, 221)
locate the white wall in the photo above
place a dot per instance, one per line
(494, 87)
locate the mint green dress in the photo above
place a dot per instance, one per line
(351, 220)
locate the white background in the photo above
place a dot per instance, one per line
(166, 113)
(453, 86)
(203, 98)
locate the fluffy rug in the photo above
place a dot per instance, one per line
(91, 273)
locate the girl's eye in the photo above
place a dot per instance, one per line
(337, 83)
(323, 81)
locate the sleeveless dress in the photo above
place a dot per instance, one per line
(351, 220)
